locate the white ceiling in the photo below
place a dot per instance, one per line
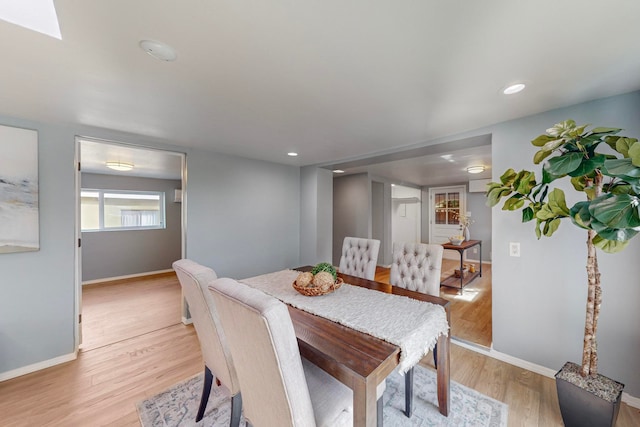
(331, 80)
(147, 163)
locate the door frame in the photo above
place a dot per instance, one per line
(78, 231)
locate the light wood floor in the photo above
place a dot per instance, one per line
(103, 385)
(470, 311)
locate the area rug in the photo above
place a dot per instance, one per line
(178, 405)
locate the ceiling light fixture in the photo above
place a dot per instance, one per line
(159, 50)
(338, 171)
(292, 154)
(475, 169)
(120, 166)
(515, 88)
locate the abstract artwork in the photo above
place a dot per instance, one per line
(19, 223)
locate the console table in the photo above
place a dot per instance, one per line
(452, 281)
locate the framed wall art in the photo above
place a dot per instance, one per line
(19, 216)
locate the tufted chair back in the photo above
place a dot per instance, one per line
(359, 257)
(194, 279)
(416, 266)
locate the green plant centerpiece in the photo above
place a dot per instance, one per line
(610, 183)
(325, 266)
(610, 214)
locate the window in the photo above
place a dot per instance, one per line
(447, 207)
(103, 210)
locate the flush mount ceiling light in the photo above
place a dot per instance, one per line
(515, 88)
(475, 169)
(338, 171)
(159, 50)
(292, 154)
(120, 166)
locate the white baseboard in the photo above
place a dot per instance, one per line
(187, 321)
(38, 366)
(128, 276)
(538, 369)
(630, 400)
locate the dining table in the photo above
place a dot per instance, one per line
(362, 361)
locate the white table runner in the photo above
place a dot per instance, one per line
(412, 325)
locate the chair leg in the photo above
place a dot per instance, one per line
(236, 410)
(206, 390)
(435, 356)
(408, 393)
(380, 408)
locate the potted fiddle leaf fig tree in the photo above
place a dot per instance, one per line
(605, 168)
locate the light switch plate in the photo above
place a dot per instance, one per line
(514, 249)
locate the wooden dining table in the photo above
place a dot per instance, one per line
(361, 361)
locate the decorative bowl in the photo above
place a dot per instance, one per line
(456, 240)
(313, 291)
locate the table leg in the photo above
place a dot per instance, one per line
(444, 399)
(481, 258)
(461, 252)
(365, 405)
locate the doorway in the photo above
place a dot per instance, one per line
(129, 225)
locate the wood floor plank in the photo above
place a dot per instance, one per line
(102, 387)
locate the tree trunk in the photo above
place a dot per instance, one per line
(594, 300)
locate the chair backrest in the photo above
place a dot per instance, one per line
(359, 257)
(266, 356)
(194, 279)
(416, 266)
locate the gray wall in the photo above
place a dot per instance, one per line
(119, 253)
(243, 216)
(316, 224)
(351, 210)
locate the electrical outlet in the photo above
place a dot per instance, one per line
(514, 249)
(475, 250)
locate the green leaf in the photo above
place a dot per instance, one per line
(609, 246)
(552, 145)
(580, 215)
(623, 144)
(616, 210)
(525, 182)
(508, 177)
(589, 165)
(494, 196)
(541, 140)
(611, 141)
(513, 203)
(578, 182)
(621, 168)
(551, 226)
(548, 177)
(603, 130)
(634, 153)
(557, 202)
(538, 231)
(564, 164)
(527, 214)
(540, 156)
(617, 234)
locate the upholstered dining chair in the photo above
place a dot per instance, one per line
(194, 279)
(359, 257)
(416, 266)
(279, 388)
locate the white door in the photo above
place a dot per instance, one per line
(446, 205)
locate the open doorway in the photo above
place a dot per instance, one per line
(130, 230)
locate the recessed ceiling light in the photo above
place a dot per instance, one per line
(159, 50)
(36, 15)
(120, 166)
(475, 169)
(338, 171)
(515, 88)
(292, 154)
